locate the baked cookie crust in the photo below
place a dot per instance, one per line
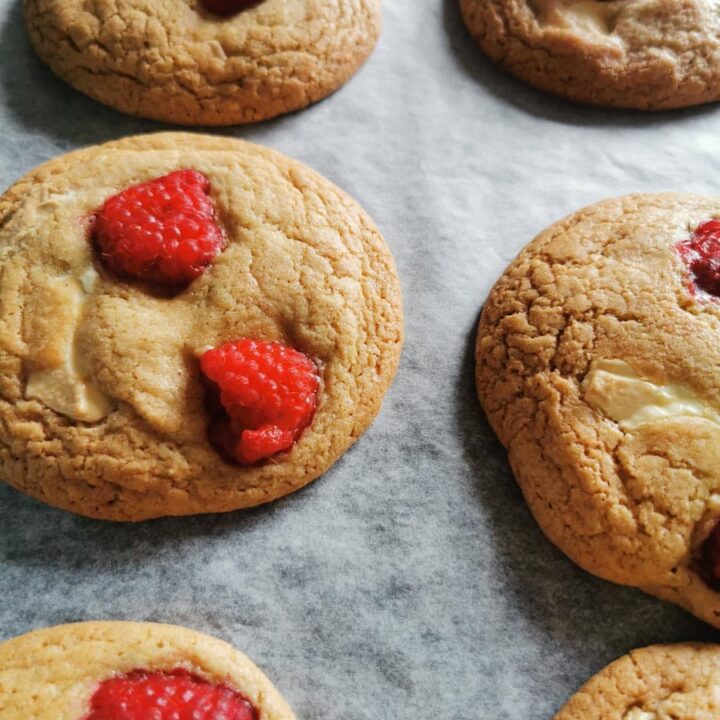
(51, 674)
(644, 54)
(173, 61)
(596, 311)
(303, 265)
(661, 682)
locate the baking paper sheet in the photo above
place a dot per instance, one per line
(410, 582)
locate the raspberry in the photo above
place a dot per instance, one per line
(701, 254)
(709, 559)
(228, 7)
(268, 392)
(175, 695)
(162, 231)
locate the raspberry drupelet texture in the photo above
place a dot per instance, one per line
(162, 231)
(174, 695)
(269, 393)
(701, 254)
(228, 7)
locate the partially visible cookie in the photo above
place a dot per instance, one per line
(661, 682)
(176, 61)
(187, 324)
(597, 365)
(100, 670)
(645, 54)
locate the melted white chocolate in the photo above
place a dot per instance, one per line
(638, 714)
(67, 386)
(613, 387)
(590, 16)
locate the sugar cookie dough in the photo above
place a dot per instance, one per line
(645, 54)
(661, 682)
(83, 671)
(174, 61)
(103, 407)
(597, 365)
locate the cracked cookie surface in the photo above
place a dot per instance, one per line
(660, 682)
(51, 674)
(173, 61)
(645, 54)
(597, 368)
(126, 439)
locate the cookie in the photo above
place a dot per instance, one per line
(91, 670)
(649, 55)
(661, 682)
(179, 62)
(597, 360)
(219, 372)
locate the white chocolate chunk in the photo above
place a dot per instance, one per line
(67, 386)
(88, 280)
(589, 16)
(613, 387)
(638, 714)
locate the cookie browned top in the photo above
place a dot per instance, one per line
(304, 265)
(648, 54)
(171, 60)
(661, 682)
(51, 674)
(598, 370)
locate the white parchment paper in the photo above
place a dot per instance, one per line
(410, 583)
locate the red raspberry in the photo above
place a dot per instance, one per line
(709, 560)
(176, 695)
(269, 392)
(163, 231)
(701, 253)
(228, 7)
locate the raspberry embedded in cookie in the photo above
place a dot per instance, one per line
(708, 562)
(268, 392)
(701, 254)
(228, 7)
(174, 695)
(163, 231)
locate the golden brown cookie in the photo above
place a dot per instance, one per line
(661, 682)
(83, 671)
(646, 54)
(174, 61)
(597, 365)
(103, 408)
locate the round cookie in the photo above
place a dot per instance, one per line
(119, 360)
(661, 682)
(597, 360)
(645, 54)
(77, 672)
(174, 61)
